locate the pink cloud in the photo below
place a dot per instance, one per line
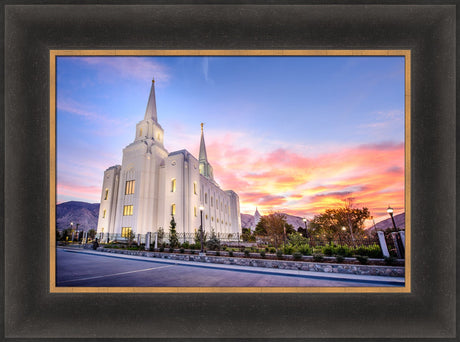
(372, 174)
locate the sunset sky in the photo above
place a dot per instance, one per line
(291, 134)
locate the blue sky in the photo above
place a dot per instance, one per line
(257, 112)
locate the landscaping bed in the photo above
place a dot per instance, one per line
(306, 263)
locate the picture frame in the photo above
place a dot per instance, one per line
(31, 311)
(55, 55)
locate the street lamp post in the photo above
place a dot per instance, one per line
(390, 211)
(306, 231)
(399, 245)
(201, 228)
(342, 235)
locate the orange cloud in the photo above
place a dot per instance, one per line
(303, 185)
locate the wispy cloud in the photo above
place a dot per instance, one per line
(102, 123)
(205, 67)
(140, 68)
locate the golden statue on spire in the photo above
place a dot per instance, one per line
(201, 127)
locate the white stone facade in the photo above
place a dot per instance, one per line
(151, 184)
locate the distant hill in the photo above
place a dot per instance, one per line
(400, 221)
(247, 221)
(85, 214)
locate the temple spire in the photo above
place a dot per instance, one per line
(151, 111)
(203, 156)
(205, 167)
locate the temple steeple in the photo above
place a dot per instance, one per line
(151, 111)
(205, 167)
(149, 128)
(203, 157)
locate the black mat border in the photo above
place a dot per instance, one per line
(32, 313)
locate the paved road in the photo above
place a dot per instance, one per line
(79, 268)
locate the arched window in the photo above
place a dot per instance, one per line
(140, 132)
(194, 211)
(103, 214)
(173, 209)
(106, 194)
(194, 188)
(206, 198)
(173, 185)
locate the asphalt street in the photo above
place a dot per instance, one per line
(89, 269)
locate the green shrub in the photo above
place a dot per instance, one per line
(246, 252)
(288, 249)
(279, 253)
(186, 245)
(305, 249)
(272, 250)
(213, 243)
(262, 254)
(230, 253)
(182, 250)
(372, 251)
(224, 248)
(328, 250)
(171, 249)
(363, 259)
(192, 251)
(318, 257)
(297, 255)
(343, 250)
(339, 258)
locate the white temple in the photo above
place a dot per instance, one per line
(153, 185)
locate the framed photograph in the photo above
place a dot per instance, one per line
(48, 61)
(154, 203)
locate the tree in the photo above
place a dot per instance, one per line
(261, 229)
(213, 243)
(247, 235)
(272, 227)
(344, 222)
(297, 239)
(160, 235)
(130, 236)
(197, 238)
(91, 233)
(173, 240)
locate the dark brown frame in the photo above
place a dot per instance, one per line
(31, 312)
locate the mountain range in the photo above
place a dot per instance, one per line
(86, 216)
(400, 221)
(81, 213)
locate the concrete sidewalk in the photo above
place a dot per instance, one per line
(385, 281)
